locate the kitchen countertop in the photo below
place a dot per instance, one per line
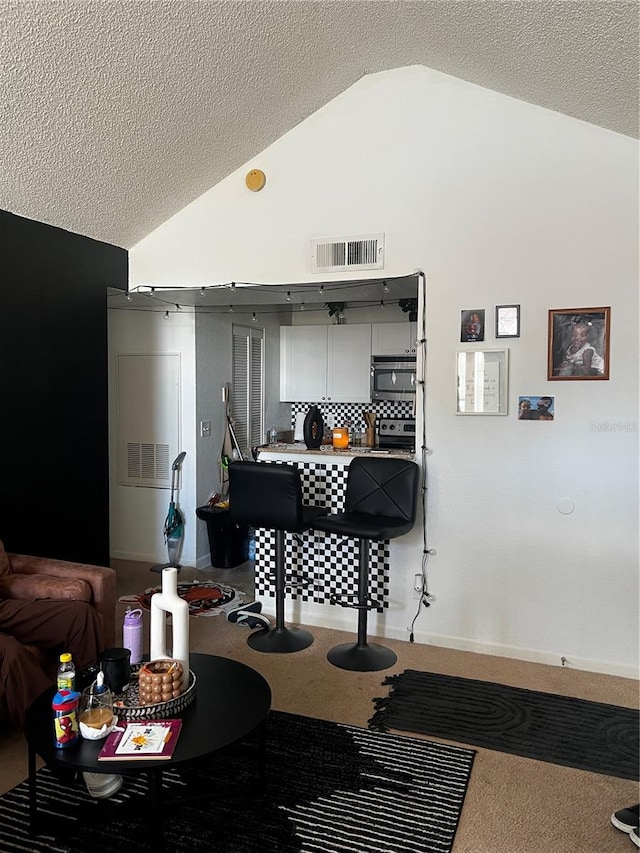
(330, 452)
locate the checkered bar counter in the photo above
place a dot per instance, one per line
(325, 563)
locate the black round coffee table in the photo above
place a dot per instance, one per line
(231, 701)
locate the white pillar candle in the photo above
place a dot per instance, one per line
(168, 601)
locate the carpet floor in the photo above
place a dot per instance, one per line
(559, 729)
(330, 787)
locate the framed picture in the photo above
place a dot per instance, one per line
(482, 382)
(578, 343)
(535, 408)
(507, 321)
(472, 325)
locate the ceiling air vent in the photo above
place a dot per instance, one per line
(331, 254)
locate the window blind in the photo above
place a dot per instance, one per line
(247, 385)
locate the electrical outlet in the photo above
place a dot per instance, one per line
(205, 429)
(417, 585)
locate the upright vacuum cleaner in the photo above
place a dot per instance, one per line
(173, 523)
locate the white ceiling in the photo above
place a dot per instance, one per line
(117, 113)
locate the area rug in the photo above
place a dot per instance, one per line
(205, 598)
(330, 788)
(558, 729)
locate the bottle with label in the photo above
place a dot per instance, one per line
(65, 715)
(66, 678)
(132, 633)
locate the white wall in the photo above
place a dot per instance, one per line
(497, 201)
(137, 514)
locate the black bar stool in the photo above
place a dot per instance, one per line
(380, 504)
(269, 495)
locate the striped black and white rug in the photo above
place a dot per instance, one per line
(330, 788)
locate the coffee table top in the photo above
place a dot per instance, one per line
(231, 701)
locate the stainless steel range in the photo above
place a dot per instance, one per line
(397, 433)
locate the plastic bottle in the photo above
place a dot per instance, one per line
(66, 678)
(251, 555)
(273, 435)
(65, 711)
(132, 633)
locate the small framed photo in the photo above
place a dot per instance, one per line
(578, 346)
(534, 408)
(507, 321)
(472, 325)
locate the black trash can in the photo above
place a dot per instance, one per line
(228, 543)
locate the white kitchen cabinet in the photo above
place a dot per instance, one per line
(325, 363)
(393, 338)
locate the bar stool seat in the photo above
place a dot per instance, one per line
(380, 503)
(269, 495)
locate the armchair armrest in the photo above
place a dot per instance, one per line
(100, 580)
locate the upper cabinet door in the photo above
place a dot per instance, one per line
(303, 363)
(349, 363)
(393, 338)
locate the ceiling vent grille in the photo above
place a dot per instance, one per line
(332, 254)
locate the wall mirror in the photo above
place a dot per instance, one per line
(481, 382)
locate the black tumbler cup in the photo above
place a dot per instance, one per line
(116, 666)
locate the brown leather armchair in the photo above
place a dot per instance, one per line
(31, 578)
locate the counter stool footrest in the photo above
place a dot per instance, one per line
(352, 600)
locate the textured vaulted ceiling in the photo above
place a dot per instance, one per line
(116, 114)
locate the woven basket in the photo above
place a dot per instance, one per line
(127, 708)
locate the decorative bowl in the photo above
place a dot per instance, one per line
(127, 705)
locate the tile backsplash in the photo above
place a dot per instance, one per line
(335, 414)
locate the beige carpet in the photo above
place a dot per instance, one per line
(514, 805)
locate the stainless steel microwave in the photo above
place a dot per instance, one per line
(393, 377)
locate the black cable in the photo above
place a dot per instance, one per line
(423, 601)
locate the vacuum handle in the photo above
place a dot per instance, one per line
(177, 462)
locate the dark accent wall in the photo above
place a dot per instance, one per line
(54, 462)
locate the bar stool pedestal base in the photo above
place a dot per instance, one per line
(361, 658)
(280, 640)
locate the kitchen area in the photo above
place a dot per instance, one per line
(349, 348)
(362, 380)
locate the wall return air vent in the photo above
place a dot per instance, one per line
(331, 254)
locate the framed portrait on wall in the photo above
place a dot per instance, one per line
(472, 325)
(578, 345)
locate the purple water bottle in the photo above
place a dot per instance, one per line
(132, 634)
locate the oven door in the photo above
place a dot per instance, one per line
(393, 380)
